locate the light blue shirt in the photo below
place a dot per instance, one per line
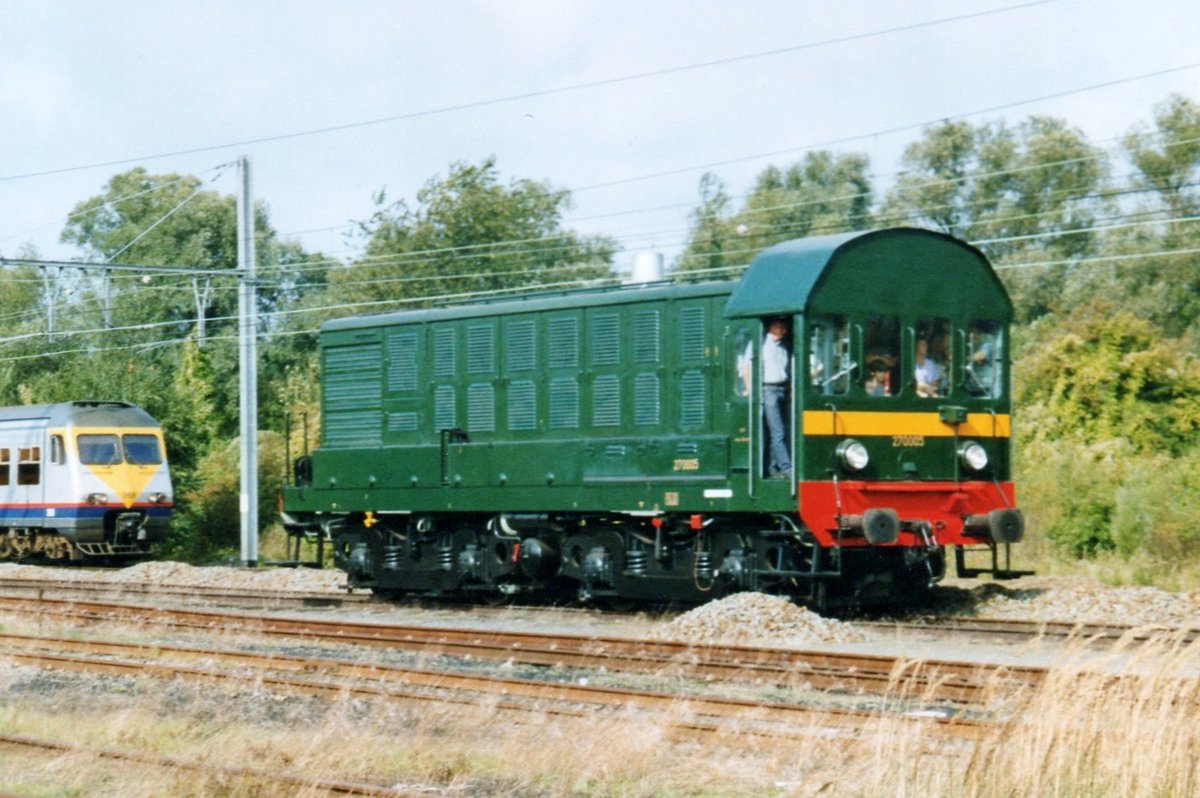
(775, 360)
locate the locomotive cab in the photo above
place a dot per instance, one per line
(901, 393)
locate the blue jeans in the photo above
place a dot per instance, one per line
(776, 412)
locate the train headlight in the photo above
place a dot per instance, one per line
(159, 498)
(96, 498)
(973, 456)
(854, 455)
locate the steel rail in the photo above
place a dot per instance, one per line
(681, 712)
(1033, 629)
(941, 680)
(239, 597)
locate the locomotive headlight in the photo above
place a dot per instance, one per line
(853, 455)
(973, 456)
(96, 498)
(158, 498)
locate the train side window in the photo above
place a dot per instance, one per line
(829, 360)
(29, 465)
(932, 357)
(881, 351)
(743, 366)
(983, 358)
(58, 452)
(5, 459)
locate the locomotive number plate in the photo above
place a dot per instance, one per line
(687, 464)
(908, 440)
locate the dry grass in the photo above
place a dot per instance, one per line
(1083, 733)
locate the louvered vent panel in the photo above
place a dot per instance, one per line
(521, 352)
(444, 354)
(445, 415)
(564, 344)
(606, 340)
(646, 336)
(353, 394)
(402, 362)
(564, 403)
(606, 401)
(402, 422)
(481, 350)
(691, 332)
(694, 399)
(647, 404)
(522, 406)
(352, 377)
(352, 428)
(481, 407)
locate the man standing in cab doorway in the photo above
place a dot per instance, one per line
(775, 360)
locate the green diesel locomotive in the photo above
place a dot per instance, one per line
(613, 443)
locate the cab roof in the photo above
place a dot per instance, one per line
(877, 269)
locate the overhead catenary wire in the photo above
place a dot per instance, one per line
(611, 81)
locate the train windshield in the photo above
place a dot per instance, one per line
(99, 450)
(142, 450)
(109, 450)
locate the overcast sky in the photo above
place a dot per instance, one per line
(85, 83)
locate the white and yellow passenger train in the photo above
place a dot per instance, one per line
(81, 480)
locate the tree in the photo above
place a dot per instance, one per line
(712, 231)
(469, 234)
(823, 193)
(1168, 158)
(1028, 195)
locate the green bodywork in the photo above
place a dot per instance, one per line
(631, 399)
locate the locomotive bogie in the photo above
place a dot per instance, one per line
(81, 479)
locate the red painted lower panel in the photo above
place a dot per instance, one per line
(943, 505)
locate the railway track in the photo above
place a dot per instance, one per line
(1002, 628)
(940, 681)
(269, 599)
(682, 714)
(1017, 629)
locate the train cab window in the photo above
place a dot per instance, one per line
(5, 460)
(98, 449)
(982, 359)
(829, 362)
(931, 357)
(141, 449)
(881, 351)
(29, 465)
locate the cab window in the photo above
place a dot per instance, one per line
(141, 450)
(982, 359)
(829, 364)
(881, 351)
(98, 449)
(932, 357)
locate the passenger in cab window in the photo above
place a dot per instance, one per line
(927, 372)
(878, 379)
(981, 360)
